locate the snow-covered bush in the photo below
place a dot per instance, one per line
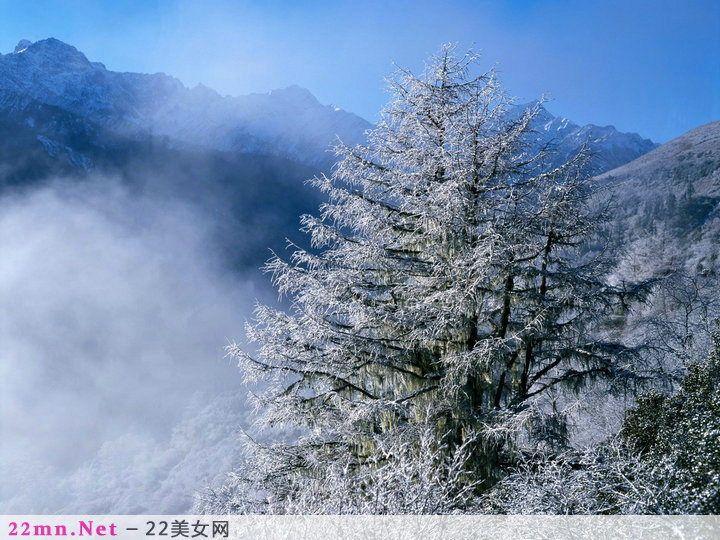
(414, 475)
(684, 429)
(603, 479)
(666, 460)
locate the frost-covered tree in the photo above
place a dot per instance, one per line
(453, 287)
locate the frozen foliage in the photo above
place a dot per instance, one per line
(666, 460)
(415, 475)
(604, 479)
(685, 429)
(445, 296)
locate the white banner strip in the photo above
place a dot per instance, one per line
(363, 527)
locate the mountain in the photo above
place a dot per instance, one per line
(672, 195)
(666, 228)
(608, 147)
(39, 80)
(242, 159)
(290, 123)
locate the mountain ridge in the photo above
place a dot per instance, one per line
(608, 147)
(287, 122)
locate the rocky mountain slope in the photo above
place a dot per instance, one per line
(672, 195)
(666, 227)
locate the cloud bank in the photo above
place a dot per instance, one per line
(114, 393)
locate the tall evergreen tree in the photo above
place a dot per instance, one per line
(451, 288)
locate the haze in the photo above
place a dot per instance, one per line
(114, 393)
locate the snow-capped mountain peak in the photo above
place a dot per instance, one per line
(609, 148)
(21, 46)
(50, 51)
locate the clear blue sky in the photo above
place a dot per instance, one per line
(652, 67)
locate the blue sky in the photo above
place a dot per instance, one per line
(652, 67)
